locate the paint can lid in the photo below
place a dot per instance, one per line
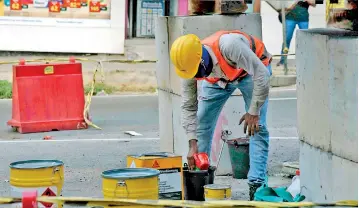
(217, 186)
(36, 164)
(130, 173)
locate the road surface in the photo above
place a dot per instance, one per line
(116, 114)
(86, 153)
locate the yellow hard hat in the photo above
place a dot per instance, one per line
(186, 54)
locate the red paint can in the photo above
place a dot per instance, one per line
(29, 199)
(201, 160)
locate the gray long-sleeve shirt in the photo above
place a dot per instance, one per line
(235, 48)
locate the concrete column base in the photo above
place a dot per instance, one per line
(327, 106)
(325, 177)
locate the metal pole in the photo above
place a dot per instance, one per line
(284, 39)
(130, 34)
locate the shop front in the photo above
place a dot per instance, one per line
(71, 26)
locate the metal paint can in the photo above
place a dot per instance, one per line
(217, 192)
(44, 176)
(131, 183)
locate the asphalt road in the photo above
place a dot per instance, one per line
(86, 153)
(116, 114)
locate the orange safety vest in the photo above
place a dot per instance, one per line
(232, 73)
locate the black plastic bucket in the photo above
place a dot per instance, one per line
(194, 182)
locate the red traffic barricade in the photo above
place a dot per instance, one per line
(47, 97)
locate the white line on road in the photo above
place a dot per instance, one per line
(281, 99)
(113, 140)
(81, 140)
(282, 89)
(284, 138)
(101, 97)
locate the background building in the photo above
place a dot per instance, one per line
(142, 15)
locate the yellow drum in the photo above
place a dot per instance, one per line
(217, 192)
(45, 176)
(131, 183)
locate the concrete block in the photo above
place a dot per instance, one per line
(165, 121)
(312, 89)
(315, 173)
(327, 93)
(283, 80)
(327, 90)
(180, 139)
(326, 177)
(344, 96)
(162, 51)
(345, 179)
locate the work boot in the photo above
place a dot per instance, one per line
(252, 190)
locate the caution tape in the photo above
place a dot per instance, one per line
(89, 96)
(84, 201)
(125, 61)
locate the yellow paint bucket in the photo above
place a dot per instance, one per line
(131, 183)
(2, 7)
(45, 176)
(217, 192)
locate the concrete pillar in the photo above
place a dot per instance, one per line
(173, 137)
(327, 91)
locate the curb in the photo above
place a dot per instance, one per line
(290, 168)
(283, 80)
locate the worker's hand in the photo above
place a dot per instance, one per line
(193, 149)
(250, 122)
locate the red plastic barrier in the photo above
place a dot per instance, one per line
(47, 97)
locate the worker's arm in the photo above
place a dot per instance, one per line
(189, 107)
(237, 51)
(257, 6)
(311, 3)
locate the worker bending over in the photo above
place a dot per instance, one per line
(226, 60)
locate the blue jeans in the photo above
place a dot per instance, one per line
(290, 27)
(210, 105)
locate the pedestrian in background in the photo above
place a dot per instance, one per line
(297, 14)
